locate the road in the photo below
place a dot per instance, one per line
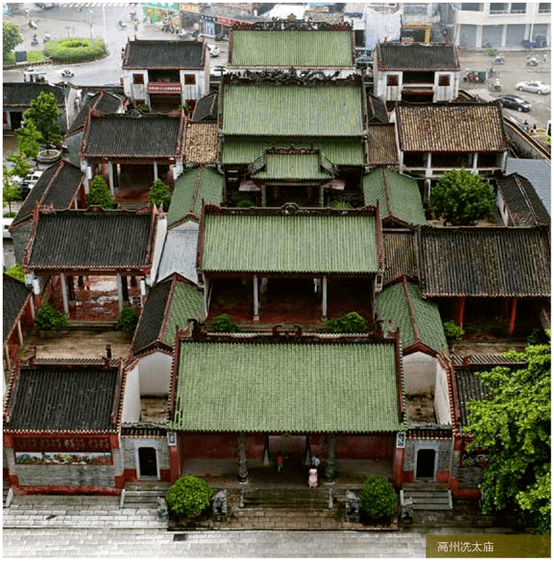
(103, 22)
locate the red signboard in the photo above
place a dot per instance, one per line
(57, 444)
(226, 21)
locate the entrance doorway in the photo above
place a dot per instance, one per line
(148, 464)
(425, 464)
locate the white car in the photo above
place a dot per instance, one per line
(67, 73)
(214, 50)
(533, 87)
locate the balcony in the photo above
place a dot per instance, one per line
(166, 88)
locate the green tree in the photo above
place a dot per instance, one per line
(11, 190)
(462, 198)
(29, 140)
(514, 426)
(22, 166)
(352, 322)
(159, 194)
(16, 272)
(189, 495)
(11, 37)
(99, 193)
(44, 113)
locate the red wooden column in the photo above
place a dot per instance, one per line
(512, 325)
(459, 311)
(174, 457)
(398, 467)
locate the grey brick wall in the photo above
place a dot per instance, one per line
(130, 444)
(471, 476)
(443, 448)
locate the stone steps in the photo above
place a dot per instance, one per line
(103, 325)
(144, 495)
(428, 496)
(299, 499)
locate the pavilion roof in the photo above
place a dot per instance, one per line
(169, 55)
(416, 56)
(14, 298)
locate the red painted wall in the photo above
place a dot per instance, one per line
(364, 447)
(220, 445)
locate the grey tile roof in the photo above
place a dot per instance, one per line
(416, 56)
(63, 397)
(179, 254)
(20, 94)
(205, 108)
(57, 186)
(127, 135)
(93, 239)
(14, 296)
(475, 261)
(538, 172)
(524, 205)
(164, 54)
(400, 254)
(102, 102)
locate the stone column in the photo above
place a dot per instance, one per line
(243, 470)
(429, 165)
(308, 453)
(64, 293)
(266, 449)
(19, 332)
(475, 168)
(206, 303)
(155, 171)
(324, 298)
(264, 195)
(256, 300)
(321, 196)
(459, 311)
(110, 178)
(142, 291)
(120, 293)
(331, 459)
(512, 325)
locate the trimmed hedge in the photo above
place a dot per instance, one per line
(76, 49)
(189, 495)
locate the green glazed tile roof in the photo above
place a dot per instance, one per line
(190, 188)
(289, 388)
(339, 151)
(290, 244)
(292, 48)
(293, 166)
(187, 303)
(292, 110)
(397, 194)
(394, 305)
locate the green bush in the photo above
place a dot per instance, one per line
(35, 56)
(245, 202)
(224, 323)
(49, 318)
(10, 214)
(378, 498)
(159, 194)
(340, 205)
(352, 322)
(16, 271)
(76, 49)
(189, 495)
(127, 319)
(99, 193)
(143, 108)
(452, 331)
(492, 52)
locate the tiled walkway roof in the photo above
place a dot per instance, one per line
(398, 196)
(106, 239)
(173, 54)
(292, 110)
(455, 127)
(302, 388)
(201, 143)
(419, 320)
(416, 56)
(290, 244)
(382, 145)
(193, 186)
(291, 48)
(71, 398)
(475, 261)
(524, 205)
(14, 296)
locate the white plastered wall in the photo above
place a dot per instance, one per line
(442, 401)
(419, 373)
(154, 373)
(131, 401)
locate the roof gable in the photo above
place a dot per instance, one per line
(179, 254)
(473, 261)
(14, 298)
(51, 397)
(288, 164)
(347, 243)
(133, 136)
(164, 54)
(456, 127)
(102, 102)
(416, 56)
(524, 205)
(398, 196)
(317, 110)
(537, 172)
(92, 239)
(337, 387)
(291, 48)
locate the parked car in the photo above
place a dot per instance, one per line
(364, 60)
(67, 73)
(533, 87)
(214, 50)
(27, 183)
(514, 102)
(6, 223)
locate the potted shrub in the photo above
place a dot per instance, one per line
(452, 331)
(352, 322)
(127, 320)
(189, 498)
(224, 323)
(377, 500)
(49, 319)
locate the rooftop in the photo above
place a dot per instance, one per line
(451, 127)
(291, 48)
(538, 172)
(101, 102)
(14, 298)
(416, 56)
(399, 249)
(382, 145)
(20, 94)
(179, 254)
(293, 164)
(306, 387)
(201, 143)
(140, 54)
(523, 204)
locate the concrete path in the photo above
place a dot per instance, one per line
(143, 543)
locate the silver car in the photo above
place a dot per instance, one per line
(533, 87)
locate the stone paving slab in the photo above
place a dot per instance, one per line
(156, 543)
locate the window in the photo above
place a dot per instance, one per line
(138, 78)
(444, 79)
(190, 79)
(544, 8)
(392, 80)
